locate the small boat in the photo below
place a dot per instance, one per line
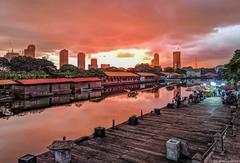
(96, 99)
(127, 90)
(132, 94)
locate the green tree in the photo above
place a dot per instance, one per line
(232, 69)
(4, 62)
(156, 70)
(95, 73)
(23, 63)
(169, 69)
(69, 68)
(143, 67)
(180, 71)
(71, 71)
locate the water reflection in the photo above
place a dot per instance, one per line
(18, 106)
(31, 131)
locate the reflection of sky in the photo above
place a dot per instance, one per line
(33, 132)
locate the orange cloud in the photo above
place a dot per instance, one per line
(96, 26)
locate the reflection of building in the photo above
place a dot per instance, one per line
(105, 66)
(11, 55)
(93, 64)
(156, 94)
(81, 60)
(155, 60)
(63, 57)
(30, 51)
(177, 59)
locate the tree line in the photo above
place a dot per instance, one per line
(232, 69)
(23, 67)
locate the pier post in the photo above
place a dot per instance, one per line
(141, 114)
(133, 120)
(219, 145)
(113, 124)
(99, 132)
(28, 158)
(61, 150)
(173, 148)
(157, 111)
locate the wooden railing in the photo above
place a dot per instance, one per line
(209, 150)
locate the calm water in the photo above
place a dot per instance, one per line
(32, 131)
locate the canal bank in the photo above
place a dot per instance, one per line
(197, 125)
(31, 131)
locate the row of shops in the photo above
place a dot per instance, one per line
(121, 78)
(32, 88)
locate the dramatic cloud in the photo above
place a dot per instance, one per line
(100, 26)
(125, 55)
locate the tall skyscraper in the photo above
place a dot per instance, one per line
(93, 64)
(155, 60)
(81, 60)
(63, 57)
(177, 59)
(30, 51)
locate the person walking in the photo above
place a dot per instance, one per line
(178, 99)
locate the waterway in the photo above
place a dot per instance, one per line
(32, 131)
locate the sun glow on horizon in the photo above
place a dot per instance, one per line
(123, 57)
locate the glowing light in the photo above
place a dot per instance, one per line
(213, 84)
(123, 57)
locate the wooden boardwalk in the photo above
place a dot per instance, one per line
(145, 142)
(231, 152)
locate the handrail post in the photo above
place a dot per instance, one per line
(113, 124)
(218, 138)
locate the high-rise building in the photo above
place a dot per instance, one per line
(81, 60)
(93, 64)
(177, 59)
(63, 57)
(105, 66)
(30, 51)
(155, 60)
(11, 55)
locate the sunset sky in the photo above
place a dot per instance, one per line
(124, 32)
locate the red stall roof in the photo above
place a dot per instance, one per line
(55, 80)
(79, 80)
(43, 81)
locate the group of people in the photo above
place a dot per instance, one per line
(196, 97)
(229, 97)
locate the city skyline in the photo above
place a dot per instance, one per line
(81, 60)
(201, 29)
